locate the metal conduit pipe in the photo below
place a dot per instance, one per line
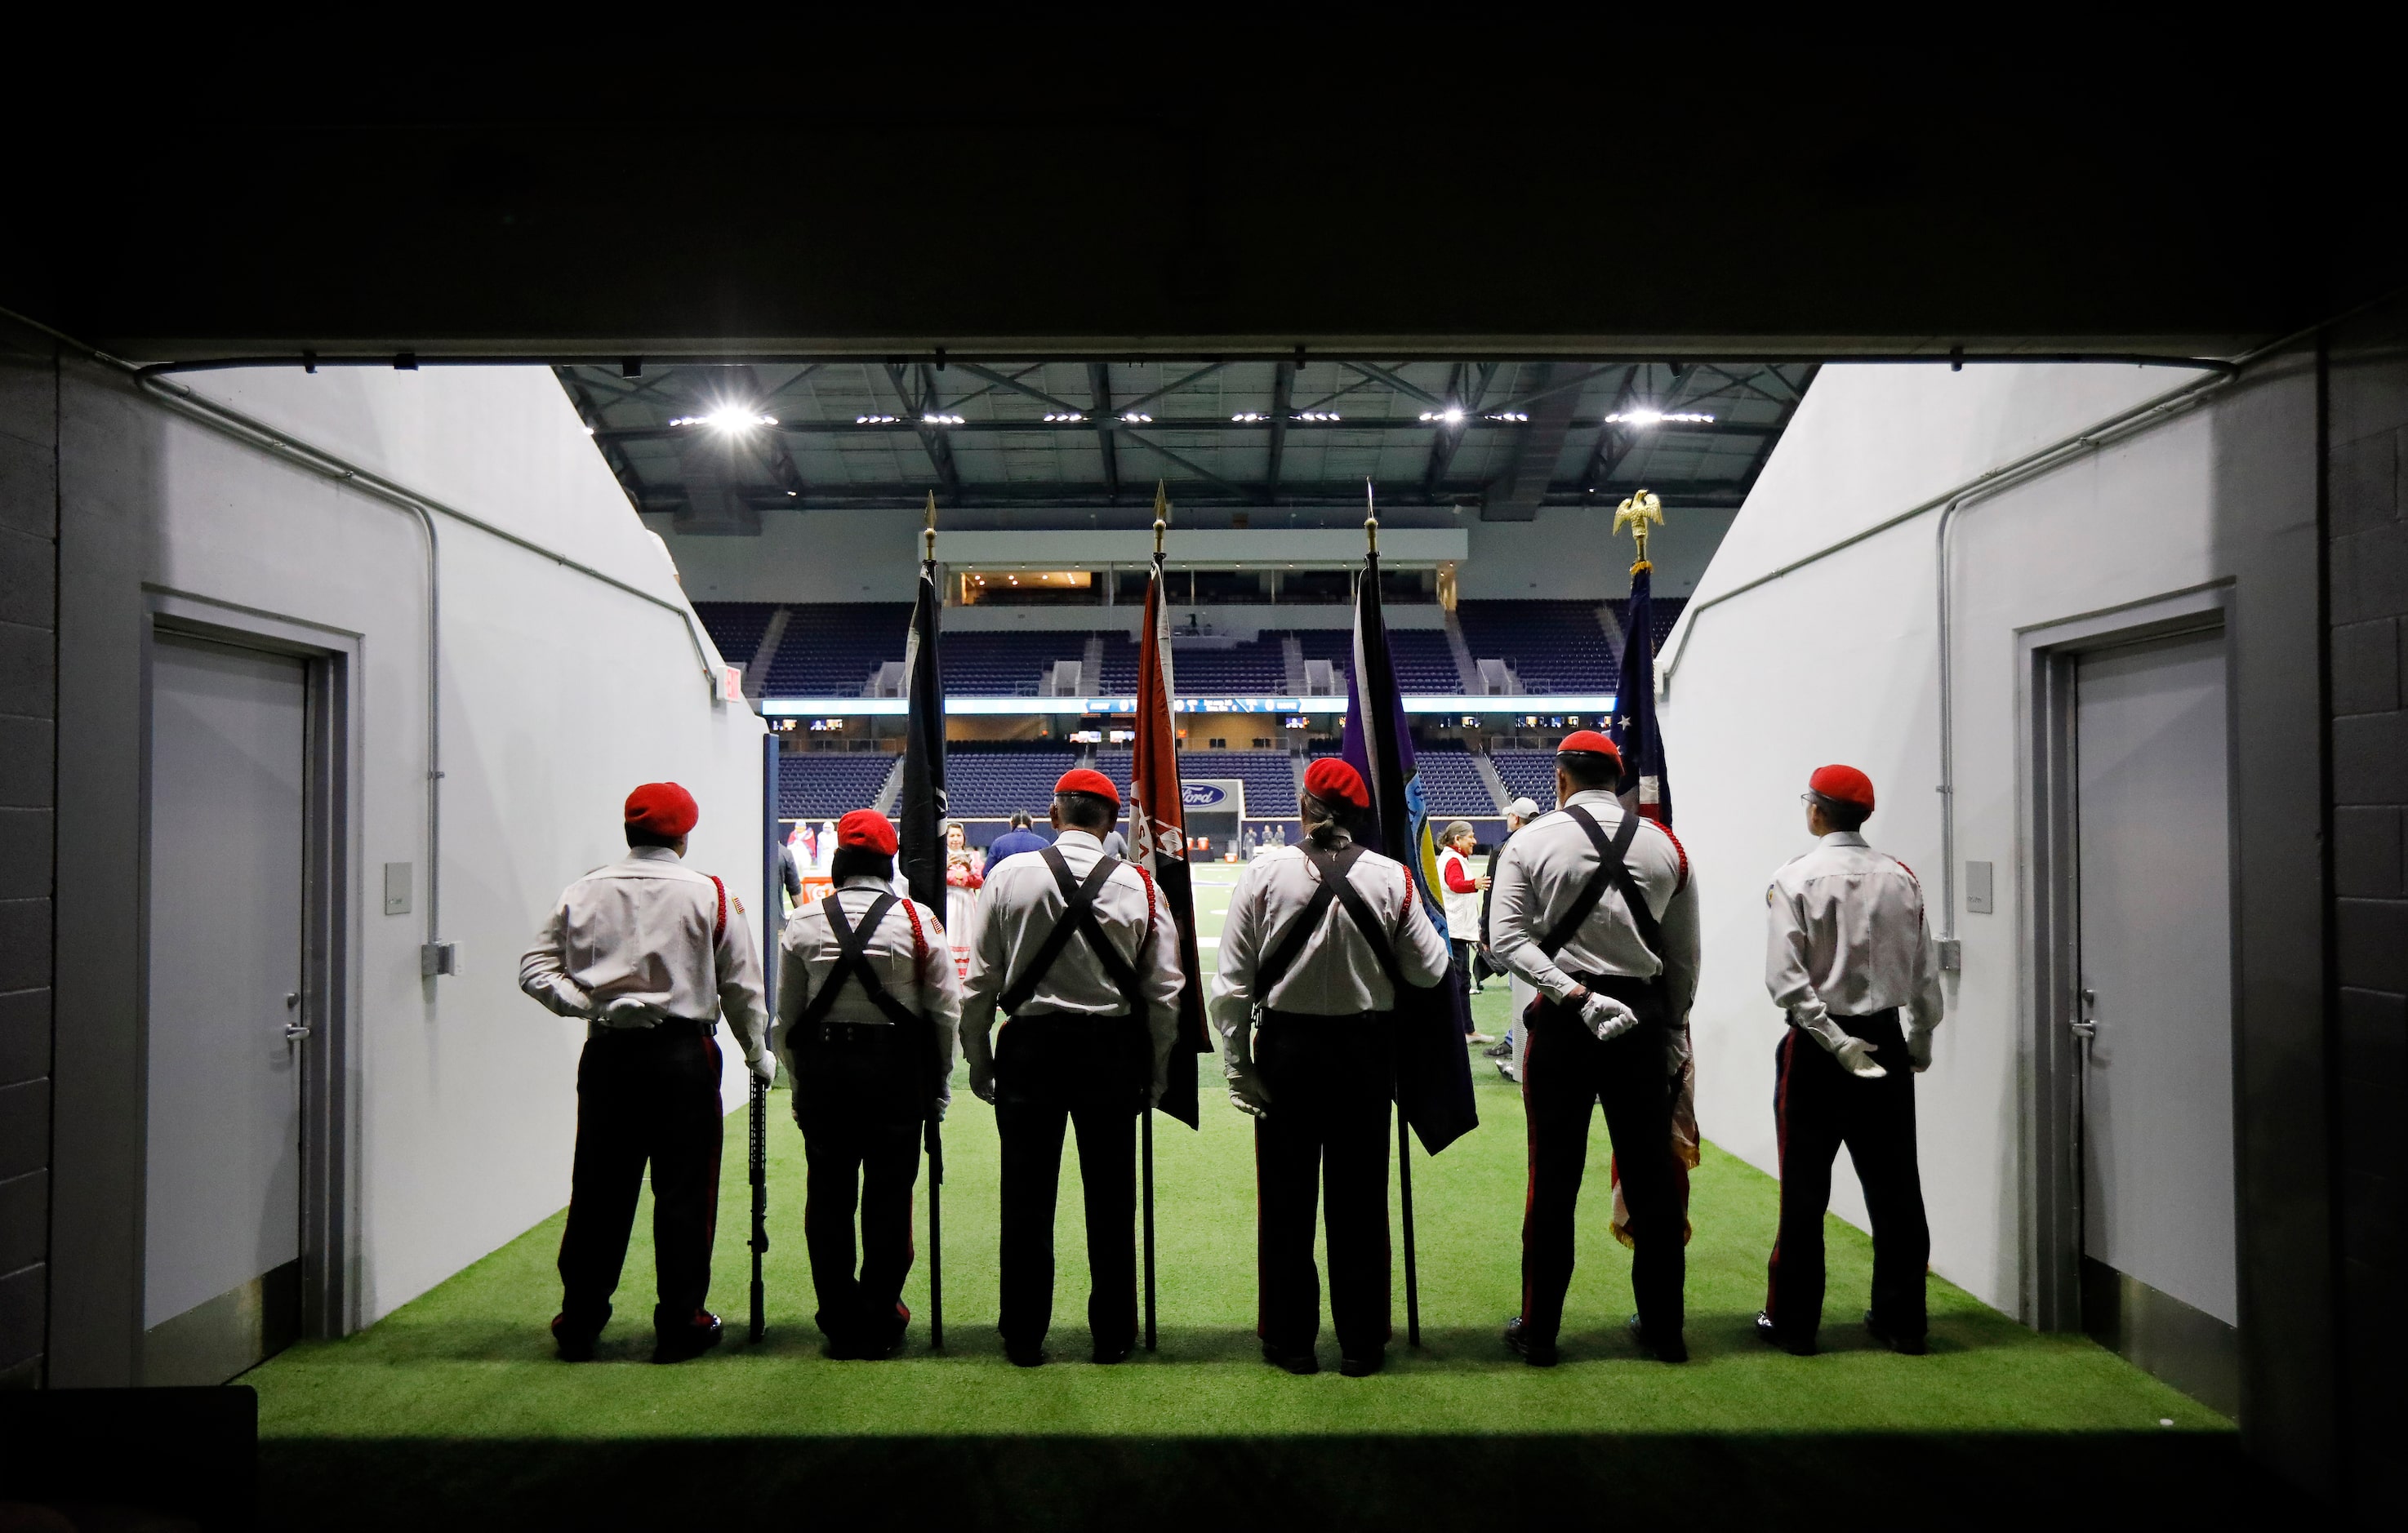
(435, 956)
(1989, 482)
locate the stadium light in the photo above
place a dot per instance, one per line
(728, 420)
(1657, 418)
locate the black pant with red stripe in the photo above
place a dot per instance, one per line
(1054, 1071)
(861, 1093)
(1565, 1071)
(644, 1095)
(1818, 1105)
(1326, 1142)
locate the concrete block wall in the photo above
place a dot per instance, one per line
(29, 527)
(2366, 486)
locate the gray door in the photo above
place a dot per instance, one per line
(228, 849)
(2159, 1279)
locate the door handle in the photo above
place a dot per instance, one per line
(2085, 1026)
(296, 1030)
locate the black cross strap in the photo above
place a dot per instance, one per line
(853, 962)
(1077, 918)
(1612, 871)
(1336, 888)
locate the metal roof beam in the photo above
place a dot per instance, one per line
(1282, 394)
(1205, 371)
(1099, 388)
(1012, 381)
(1380, 375)
(932, 438)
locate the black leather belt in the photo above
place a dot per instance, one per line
(665, 1027)
(850, 1035)
(1314, 1019)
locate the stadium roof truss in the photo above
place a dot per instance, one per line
(1503, 437)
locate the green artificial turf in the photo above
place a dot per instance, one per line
(471, 1360)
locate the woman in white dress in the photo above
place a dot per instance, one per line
(963, 880)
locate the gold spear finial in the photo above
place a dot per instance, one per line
(1370, 517)
(1637, 512)
(1161, 514)
(930, 527)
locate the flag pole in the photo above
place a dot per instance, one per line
(757, 1125)
(1145, 1110)
(1404, 1137)
(934, 1135)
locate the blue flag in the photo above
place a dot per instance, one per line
(920, 813)
(1645, 788)
(1433, 1068)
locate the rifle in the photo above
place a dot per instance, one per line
(760, 1157)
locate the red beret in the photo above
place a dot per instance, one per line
(866, 828)
(1332, 779)
(1845, 784)
(1085, 779)
(1589, 740)
(662, 808)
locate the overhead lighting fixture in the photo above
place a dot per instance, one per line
(1510, 415)
(1133, 418)
(1248, 417)
(1064, 420)
(1657, 418)
(940, 419)
(1449, 416)
(1317, 415)
(875, 421)
(729, 419)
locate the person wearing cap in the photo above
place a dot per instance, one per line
(1319, 936)
(1595, 910)
(1518, 990)
(1847, 952)
(1463, 891)
(868, 1005)
(648, 954)
(1078, 948)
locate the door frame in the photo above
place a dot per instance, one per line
(330, 1299)
(2046, 657)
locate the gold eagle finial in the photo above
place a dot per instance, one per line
(1636, 513)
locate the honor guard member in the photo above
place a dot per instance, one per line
(868, 1005)
(1318, 939)
(1595, 908)
(1846, 950)
(1078, 948)
(648, 954)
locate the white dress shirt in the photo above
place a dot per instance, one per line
(1020, 907)
(1846, 935)
(912, 962)
(630, 945)
(1334, 974)
(1542, 871)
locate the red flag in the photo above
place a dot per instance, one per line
(1158, 838)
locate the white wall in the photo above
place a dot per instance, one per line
(1838, 662)
(558, 691)
(1568, 552)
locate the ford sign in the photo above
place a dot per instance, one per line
(1202, 796)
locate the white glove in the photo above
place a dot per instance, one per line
(765, 1065)
(1608, 1018)
(626, 1012)
(1918, 1047)
(942, 1105)
(1247, 1093)
(982, 1082)
(1855, 1057)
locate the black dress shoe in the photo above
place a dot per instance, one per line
(1501, 1049)
(1362, 1367)
(690, 1340)
(1771, 1336)
(1530, 1349)
(1107, 1356)
(573, 1346)
(1663, 1349)
(1906, 1346)
(1298, 1363)
(1027, 1356)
